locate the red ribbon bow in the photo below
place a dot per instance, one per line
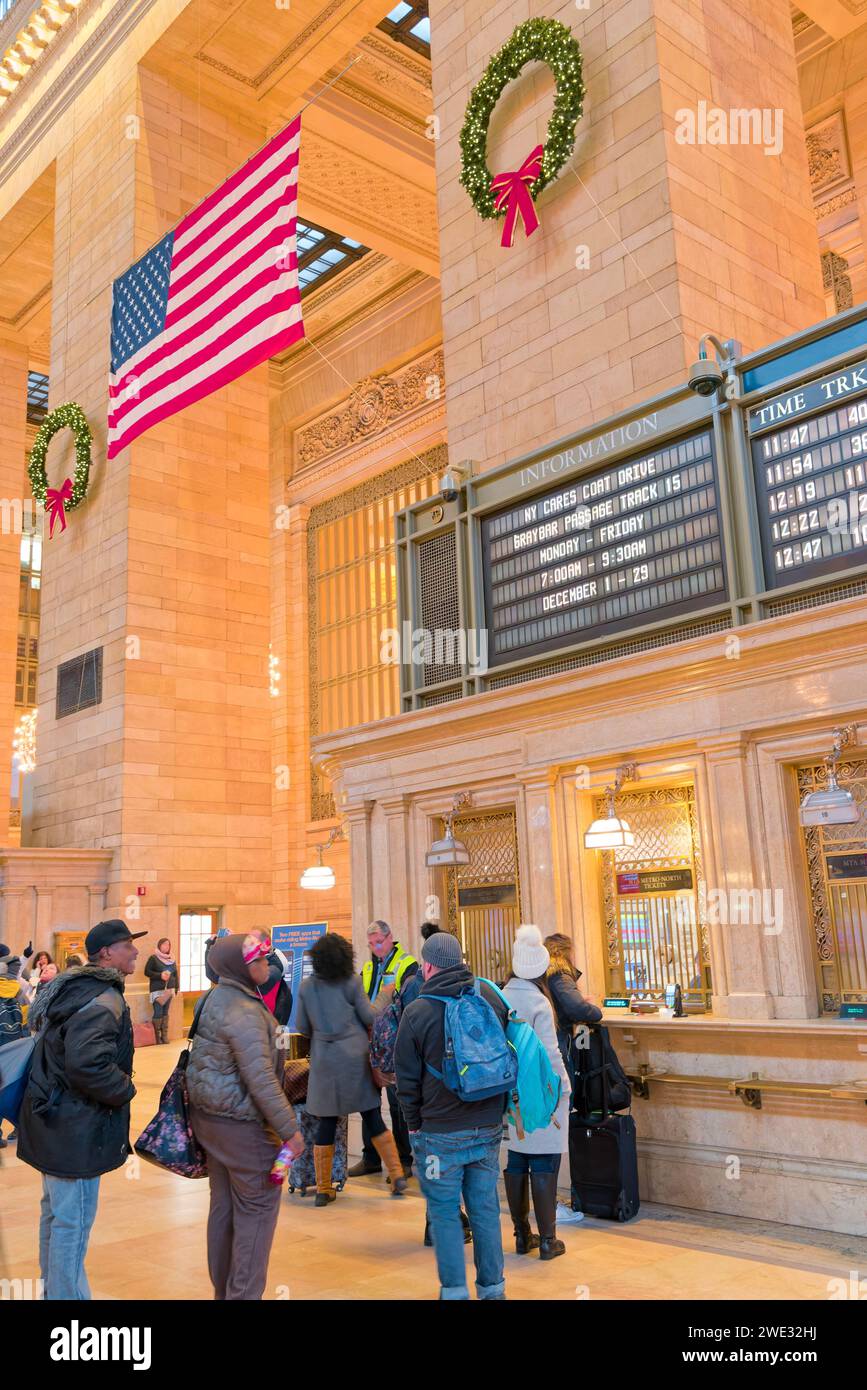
(512, 191)
(56, 500)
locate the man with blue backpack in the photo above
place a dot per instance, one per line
(455, 1072)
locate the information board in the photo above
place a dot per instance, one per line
(809, 449)
(613, 549)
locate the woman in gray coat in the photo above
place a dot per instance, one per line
(335, 1013)
(534, 1161)
(240, 1116)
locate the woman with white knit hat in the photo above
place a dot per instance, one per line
(534, 1161)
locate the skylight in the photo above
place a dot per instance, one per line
(409, 24)
(322, 254)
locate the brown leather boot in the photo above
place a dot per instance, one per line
(164, 1029)
(387, 1150)
(323, 1158)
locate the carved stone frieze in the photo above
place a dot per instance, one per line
(371, 407)
(827, 153)
(834, 278)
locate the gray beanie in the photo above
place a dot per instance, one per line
(442, 950)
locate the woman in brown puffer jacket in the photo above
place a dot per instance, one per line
(240, 1117)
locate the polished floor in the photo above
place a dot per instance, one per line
(149, 1242)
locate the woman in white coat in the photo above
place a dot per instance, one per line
(534, 1161)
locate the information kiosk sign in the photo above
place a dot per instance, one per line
(809, 450)
(610, 550)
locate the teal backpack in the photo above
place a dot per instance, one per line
(535, 1096)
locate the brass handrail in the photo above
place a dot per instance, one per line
(748, 1088)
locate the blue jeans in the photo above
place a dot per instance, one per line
(532, 1163)
(448, 1165)
(67, 1214)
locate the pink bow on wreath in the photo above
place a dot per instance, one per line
(512, 191)
(56, 501)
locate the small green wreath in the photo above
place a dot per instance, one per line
(541, 40)
(69, 416)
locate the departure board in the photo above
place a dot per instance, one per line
(614, 549)
(811, 477)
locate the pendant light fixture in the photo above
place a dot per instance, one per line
(319, 877)
(448, 852)
(832, 805)
(609, 831)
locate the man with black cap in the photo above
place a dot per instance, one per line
(74, 1122)
(456, 1143)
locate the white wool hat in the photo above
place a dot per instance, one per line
(530, 958)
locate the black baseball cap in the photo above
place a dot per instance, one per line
(108, 934)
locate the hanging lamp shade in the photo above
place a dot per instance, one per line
(609, 832)
(831, 805)
(447, 852)
(319, 877)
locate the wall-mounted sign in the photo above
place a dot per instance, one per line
(843, 866)
(811, 477)
(488, 895)
(628, 545)
(654, 881)
(294, 943)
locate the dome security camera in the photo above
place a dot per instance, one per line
(711, 374)
(450, 486)
(705, 377)
(453, 481)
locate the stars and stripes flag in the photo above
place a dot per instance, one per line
(216, 296)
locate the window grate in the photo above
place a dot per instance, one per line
(439, 604)
(442, 697)
(638, 644)
(799, 602)
(79, 683)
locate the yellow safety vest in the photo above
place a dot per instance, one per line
(396, 967)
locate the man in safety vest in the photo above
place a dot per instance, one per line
(389, 967)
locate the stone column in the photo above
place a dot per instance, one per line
(357, 820)
(396, 810)
(43, 935)
(14, 923)
(13, 499)
(645, 242)
(740, 890)
(538, 886)
(290, 717)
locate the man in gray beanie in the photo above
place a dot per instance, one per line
(456, 1143)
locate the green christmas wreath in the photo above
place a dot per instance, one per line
(69, 416)
(541, 40)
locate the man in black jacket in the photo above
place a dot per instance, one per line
(456, 1144)
(74, 1123)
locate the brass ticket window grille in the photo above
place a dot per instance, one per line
(836, 868)
(352, 602)
(483, 898)
(654, 899)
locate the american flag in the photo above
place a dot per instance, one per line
(218, 295)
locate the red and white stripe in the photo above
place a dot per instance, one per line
(234, 298)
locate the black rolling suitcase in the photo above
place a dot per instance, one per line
(603, 1161)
